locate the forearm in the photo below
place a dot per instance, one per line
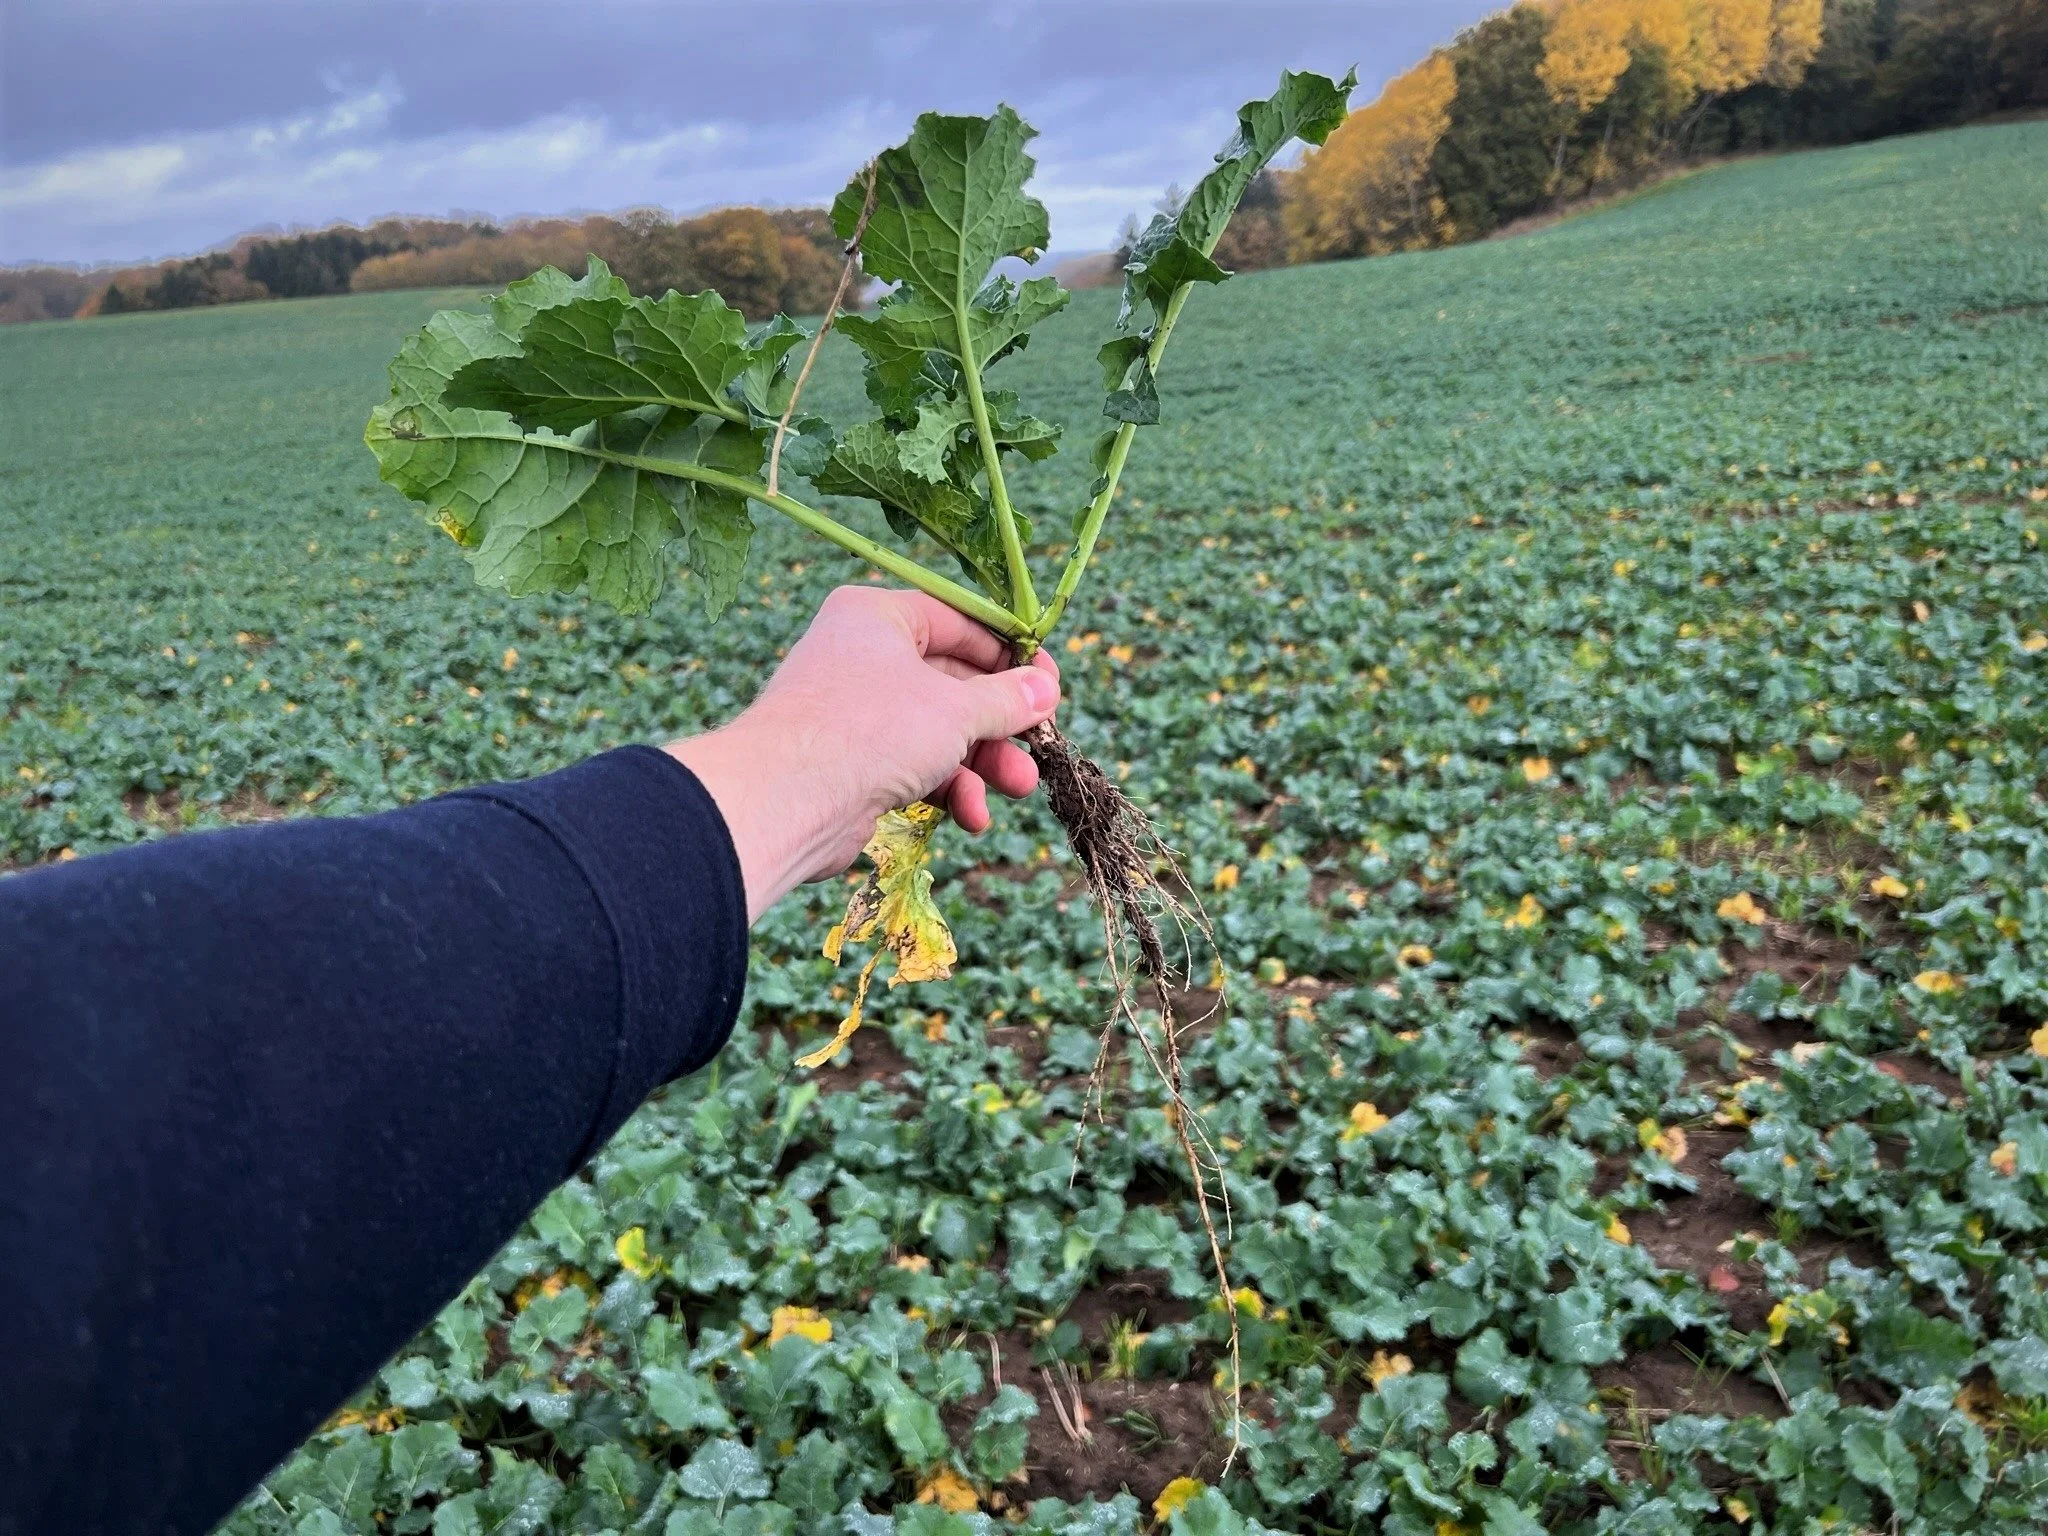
(269, 1098)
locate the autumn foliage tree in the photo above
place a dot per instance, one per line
(1547, 99)
(1370, 189)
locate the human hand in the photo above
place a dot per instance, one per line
(888, 697)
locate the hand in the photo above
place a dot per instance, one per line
(889, 697)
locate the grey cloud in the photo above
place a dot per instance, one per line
(135, 130)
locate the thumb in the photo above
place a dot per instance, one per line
(1000, 704)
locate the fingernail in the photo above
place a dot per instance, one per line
(1040, 691)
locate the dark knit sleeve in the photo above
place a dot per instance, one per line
(269, 1097)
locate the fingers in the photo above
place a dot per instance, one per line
(966, 797)
(1000, 704)
(1004, 767)
(942, 631)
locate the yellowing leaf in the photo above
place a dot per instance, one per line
(896, 901)
(1937, 981)
(1365, 1119)
(803, 1322)
(1889, 885)
(1225, 879)
(1617, 1231)
(950, 1491)
(2039, 1041)
(2035, 642)
(1415, 954)
(1738, 1509)
(2006, 1158)
(631, 1249)
(1249, 1300)
(1383, 1366)
(1740, 908)
(1176, 1496)
(1668, 1144)
(1535, 769)
(511, 658)
(1527, 915)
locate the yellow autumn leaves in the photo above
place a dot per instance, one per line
(896, 900)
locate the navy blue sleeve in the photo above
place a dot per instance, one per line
(270, 1097)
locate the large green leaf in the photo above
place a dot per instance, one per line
(595, 357)
(949, 203)
(539, 510)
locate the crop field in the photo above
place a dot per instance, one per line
(1599, 684)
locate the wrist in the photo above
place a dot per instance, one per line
(762, 778)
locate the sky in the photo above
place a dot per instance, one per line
(133, 130)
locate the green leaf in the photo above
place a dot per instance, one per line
(809, 1480)
(596, 357)
(2020, 1364)
(1207, 1514)
(1577, 1327)
(913, 1423)
(684, 1400)
(555, 1319)
(1139, 403)
(1488, 1373)
(1877, 1457)
(949, 203)
(1174, 249)
(868, 461)
(1002, 1434)
(904, 333)
(724, 1469)
(424, 1458)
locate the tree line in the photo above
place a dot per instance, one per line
(762, 260)
(1555, 100)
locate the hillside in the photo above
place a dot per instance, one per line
(1599, 683)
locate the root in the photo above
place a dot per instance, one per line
(1135, 880)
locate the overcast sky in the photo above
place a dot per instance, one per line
(137, 129)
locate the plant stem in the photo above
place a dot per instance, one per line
(1005, 623)
(860, 228)
(1119, 451)
(1023, 595)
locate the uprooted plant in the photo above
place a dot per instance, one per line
(573, 435)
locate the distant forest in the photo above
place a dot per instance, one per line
(1535, 107)
(784, 259)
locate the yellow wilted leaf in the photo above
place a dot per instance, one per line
(510, 659)
(915, 1263)
(1383, 1366)
(950, 1491)
(1937, 981)
(1365, 1119)
(1668, 1144)
(2035, 642)
(2039, 1040)
(2006, 1158)
(1225, 879)
(1176, 1496)
(1740, 908)
(1249, 1300)
(1738, 1509)
(1617, 1231)
(1535, 769)
(1527, 915)
(896, 899)
(1889, 885)
(631, 1249)
(1415, 954)
(803, 1322)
